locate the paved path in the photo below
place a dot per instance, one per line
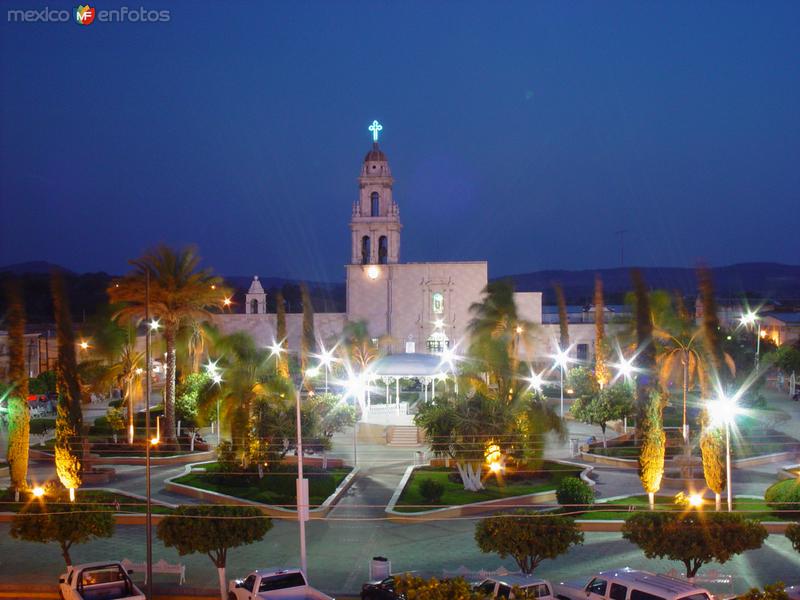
(340, 547)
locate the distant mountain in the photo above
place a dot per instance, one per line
(34, 267)
(754, 280)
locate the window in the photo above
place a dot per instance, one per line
(539, 590)
(700, 596)
(487, 587)
(281, 582)
(437, 342)
(383, 249)
(582, 351)
(375, 204)
(503, 591)
(437, 303)
(254, 306)
(598, 586)
(249, 583)
(365, 250)
(640, 595)
(618, 592)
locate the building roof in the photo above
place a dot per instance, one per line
(375, 154)
(255, 287)
(410, 364)
(786, 317)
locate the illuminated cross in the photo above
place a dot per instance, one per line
(375, 128)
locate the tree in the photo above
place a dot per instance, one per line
(180, 293)
(62, 522)
(414, 587)
(69, 422)
(115, 421)
(712, 451)
(793, 533)
(528, 537)
(694, 538)
(281, 363)
(19, 417)
(462, 428)
(654, 445)
(601, 371)
(308, 342)
(776, 591)
(496, 333)
(785, 358)
(213, 530)
(563, 320)
(612, 403)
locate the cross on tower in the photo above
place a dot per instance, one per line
(375, 128)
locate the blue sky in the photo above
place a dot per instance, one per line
(524, 133)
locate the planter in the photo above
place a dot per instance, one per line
(547, 497)
(212, 497)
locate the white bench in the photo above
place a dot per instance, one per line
(161, 566)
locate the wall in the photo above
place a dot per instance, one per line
(398, 302)
(327, 326)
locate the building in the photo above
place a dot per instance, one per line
(415, 307)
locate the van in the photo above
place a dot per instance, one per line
(631, 584)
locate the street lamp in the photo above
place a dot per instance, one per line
(326, 359)
(723, 412)
(751, 318)
(213, 371)
(535, 381)
(562, 358)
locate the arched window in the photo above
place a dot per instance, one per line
(375, 204)
(383, 250)
(254, 306)
(365, 250)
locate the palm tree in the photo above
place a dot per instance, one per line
(180, 292)
(357, 345)
(281, 362)
(563, 320)
(496, 334)
(18, 413)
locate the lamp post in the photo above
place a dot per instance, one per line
(561, 359)
(723, 411)
(148, 515)
(752, 318)
(302, 486)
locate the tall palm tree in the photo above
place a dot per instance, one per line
(563, 320)
(180, 292)
(496, 334)
(357, 345)
(281, 362)
(18, 413)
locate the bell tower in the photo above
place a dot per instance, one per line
(375, 223)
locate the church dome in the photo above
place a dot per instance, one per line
(376, 154)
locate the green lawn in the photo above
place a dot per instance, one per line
(127, 504)
(411, 499)
(624, 507)
(276, 488)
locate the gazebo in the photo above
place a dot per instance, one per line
(390, 369)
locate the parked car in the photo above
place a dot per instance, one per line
(380, 590)
(501, 587)
(98, 581)
(630, 584)
(274, 584)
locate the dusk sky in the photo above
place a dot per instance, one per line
(526, 137)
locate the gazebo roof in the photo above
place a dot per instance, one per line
(408, 365)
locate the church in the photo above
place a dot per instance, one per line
(418, 308)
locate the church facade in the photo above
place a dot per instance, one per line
(410, 307)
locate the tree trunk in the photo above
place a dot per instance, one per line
(130, 410)
(470, 476)
(65, 554)
(603, 429)
(169, 388)
(651, 498)
(223, 584)
(718, 502)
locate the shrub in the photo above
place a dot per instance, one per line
(784, 495)
(40, 426)
(431, 490)
(776, 591)
(793, 533)
(574, 492)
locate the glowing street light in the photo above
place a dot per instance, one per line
(535, 381)
(227, 302)
(325, 360)
(312, 372)
(723, 411)
(38, 491)
(154, 324)
(276, 348)
(625, 368)
(696, 500)
(561, 359)
(84, 345)
(750, 319)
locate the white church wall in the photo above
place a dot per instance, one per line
(529, 306)
(327, 327)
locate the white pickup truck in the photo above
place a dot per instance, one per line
(272, 584)
(98, 581)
